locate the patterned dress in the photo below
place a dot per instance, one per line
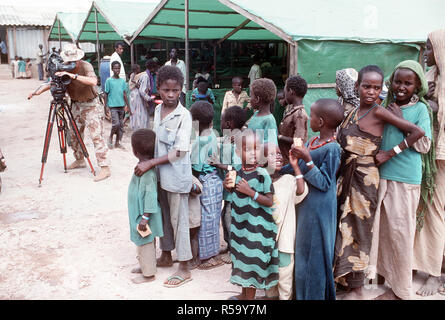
(253, 231)
(357, 202)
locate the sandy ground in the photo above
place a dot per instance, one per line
(69, 238)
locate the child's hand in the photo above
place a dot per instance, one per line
(143, 225)
(243, 187)
(195, 190)
(143, 167)
(395, 109)
(127, 109)
(293, 160)
(301, 153)
(228, 182)
(431, 89)
(382, 156)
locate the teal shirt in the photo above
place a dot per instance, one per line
(195, 92)
(143, 198)
(22, 66)
(115, 89)
(228, 156)
(268, 126)
(406, 166)
(203, 149)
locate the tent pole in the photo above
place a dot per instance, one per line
(60, 40)
(187, 58)
(132, 54)
(214, 63)
(97, 40)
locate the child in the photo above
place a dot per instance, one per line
(236, 96)
(360, 136)
(21, 68)
(281, 97)
(212, 190)
(262, 94)
(294, 122)
(202, 92)
(172, 125)
(400, 171)
(430, 239)
(117, 103)
(194, 221)
(317, 213)
(253, 231)
(289, 191)
(143, 207)
(139, 117)
(345, 81)
(232, 121)
(28, 69)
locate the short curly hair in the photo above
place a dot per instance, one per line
(237, 115)
(143, 142)
(265, 89)
(166, 73)
(203, 112)
(298, 85)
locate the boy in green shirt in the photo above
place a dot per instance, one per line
(143, 207)
(117, 103)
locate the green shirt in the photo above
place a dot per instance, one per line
(115, 88)
(203, 149)
(143, 198)
(406, 166)
(264, 126)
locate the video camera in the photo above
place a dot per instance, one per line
(59, 84)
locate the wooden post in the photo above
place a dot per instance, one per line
(166, 50)
(60, 38)
(131, 55)
(293, 59)
(214, 62)
(187, 58)
(14, 36)
(97, 40)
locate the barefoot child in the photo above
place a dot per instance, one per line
(400, 170)
(294, 122)
(143, 207)
(172, 125)
(236, 96)
(212, 190)
(253, 231)
(289, 191)
(262, 94)
(360, 136)
(319, 160)
(117, 103)
(429, 242)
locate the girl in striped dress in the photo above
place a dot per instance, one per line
(253, 231)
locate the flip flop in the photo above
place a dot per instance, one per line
(233, 298)
(210, 264)
(183, 281)
(441, 290)
(225, 257)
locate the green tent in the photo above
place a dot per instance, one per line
(66, 26)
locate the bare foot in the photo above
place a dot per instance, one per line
(354, 294)
(142, 279)
(165, 260)
(180, 277)
(136, 270)
(388, 295)
(430, 286)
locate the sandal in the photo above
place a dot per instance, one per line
(181, 279)
(441, 290)
(225, 257)
(210, 264)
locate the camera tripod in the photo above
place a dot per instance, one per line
(57, 111)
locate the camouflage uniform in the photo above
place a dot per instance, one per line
(90, 114)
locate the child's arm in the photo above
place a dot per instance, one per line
(127, 105)
(299, 176)
(265, 200)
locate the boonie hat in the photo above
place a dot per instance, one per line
(71, 53)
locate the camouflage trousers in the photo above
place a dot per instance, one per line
(90, 115)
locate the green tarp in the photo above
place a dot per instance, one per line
(70, 26)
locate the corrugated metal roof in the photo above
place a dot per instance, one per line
(23, 16)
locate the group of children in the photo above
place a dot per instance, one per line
(302, 218)
(21, 68)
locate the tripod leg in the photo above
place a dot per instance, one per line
(49, 128)
(78, 137)
(61, 130)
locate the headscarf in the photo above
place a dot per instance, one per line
(345, 80)
(437, 74)
(429, 159)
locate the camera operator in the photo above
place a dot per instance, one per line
(85, 108)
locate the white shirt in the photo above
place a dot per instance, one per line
(181, 65)
(116, 57)
(254, 73)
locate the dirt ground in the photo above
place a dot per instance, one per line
(69, 238)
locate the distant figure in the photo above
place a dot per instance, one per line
(202, 92)
(28, 68)
(175, 61)
(345, 80)
(22, 68)
(255, 70)
(15, 67)
(40, 59)
(104, 71)
(116, 56)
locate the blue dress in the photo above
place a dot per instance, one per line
(316, 226)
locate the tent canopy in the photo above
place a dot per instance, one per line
(70, 25)
(117, 20)
(367, 21)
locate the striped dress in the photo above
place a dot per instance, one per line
(253, 231)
